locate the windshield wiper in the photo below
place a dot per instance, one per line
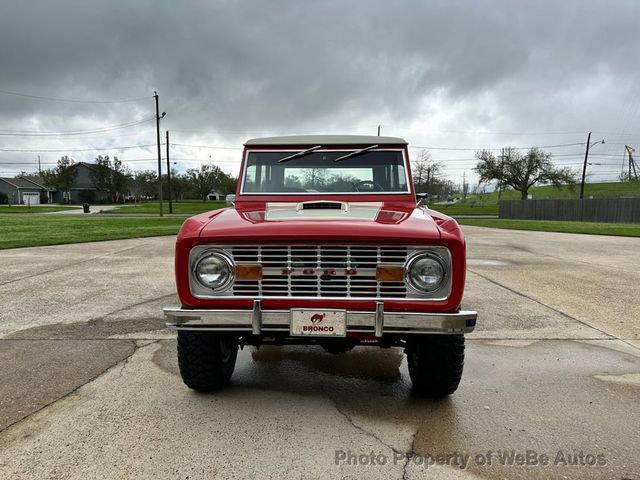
(355, 153)
(300, 154)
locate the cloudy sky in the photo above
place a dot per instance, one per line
(448, 76)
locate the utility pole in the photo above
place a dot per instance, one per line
(464, 185)
(378, 130)
(501, 175)
(39, 166)
(632, 163)
(584, 168)
(169, 175)
(155, 94)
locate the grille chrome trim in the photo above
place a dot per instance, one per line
(330, 272)
(310, 266)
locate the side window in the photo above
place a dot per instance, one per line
(402, 179)
(250, 179)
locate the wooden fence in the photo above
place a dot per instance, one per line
(611, 210)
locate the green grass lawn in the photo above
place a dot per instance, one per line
(35, 209)
(185, 207)
(595, 190)
(191, 207)
(487, 204)
(29, 231)
(465, 209)
(621, 229)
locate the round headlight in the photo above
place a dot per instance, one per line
(214, 270)
(425, 273)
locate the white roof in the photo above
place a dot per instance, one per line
(325, 140)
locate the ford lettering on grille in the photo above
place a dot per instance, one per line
(319, 271)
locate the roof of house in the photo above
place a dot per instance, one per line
(7, 180)
(37, 181)
(325, 140)
(22, 183)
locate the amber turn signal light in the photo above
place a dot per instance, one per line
(389, 273)
(249, 272)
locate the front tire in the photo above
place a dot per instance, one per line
(206, 360)
(435, 364)
(337, 348)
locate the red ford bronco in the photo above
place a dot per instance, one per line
(326, 245)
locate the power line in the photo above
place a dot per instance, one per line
(75, 149)
(480, 132)
(410, 146)
(70, 100)
(271, 133)
(496, 149)
(131, 160)
(205, 146)
(16, 133)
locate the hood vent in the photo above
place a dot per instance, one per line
(322, 206)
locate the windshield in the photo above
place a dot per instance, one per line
(318, 172)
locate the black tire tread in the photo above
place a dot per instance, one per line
(200, 362)
(435, 364)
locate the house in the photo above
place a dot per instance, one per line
(83, 190)
(47, 192)
(215, 196)
(32, 190)
(21, 190)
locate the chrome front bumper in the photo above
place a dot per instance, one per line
(378, 322)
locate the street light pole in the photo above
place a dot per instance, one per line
(586, 157)
(155, 95)
(584, 167)
(169, 175)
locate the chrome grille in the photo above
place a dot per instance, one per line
(319, 271)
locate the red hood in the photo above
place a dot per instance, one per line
(280, 222)
(392, 224)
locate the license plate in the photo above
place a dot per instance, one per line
(319, 323)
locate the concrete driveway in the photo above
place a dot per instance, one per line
(90, 386)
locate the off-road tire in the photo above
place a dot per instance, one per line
(206, 360)
(435, 364)
(338, 348)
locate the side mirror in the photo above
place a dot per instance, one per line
(422, 199)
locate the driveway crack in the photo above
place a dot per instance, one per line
(408, 456)
(67, 265)
(554, 309)
(364, 431)
(560, 312)
(133, 305)
(134, 348)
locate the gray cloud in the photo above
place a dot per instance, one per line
(229, 70)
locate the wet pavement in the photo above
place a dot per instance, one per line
(91, 390)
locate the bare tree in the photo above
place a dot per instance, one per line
(426, 171)
(521, 172)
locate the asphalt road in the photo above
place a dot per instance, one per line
(89, 383)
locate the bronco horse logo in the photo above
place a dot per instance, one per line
(317, 318)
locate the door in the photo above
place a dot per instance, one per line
(31, 198)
